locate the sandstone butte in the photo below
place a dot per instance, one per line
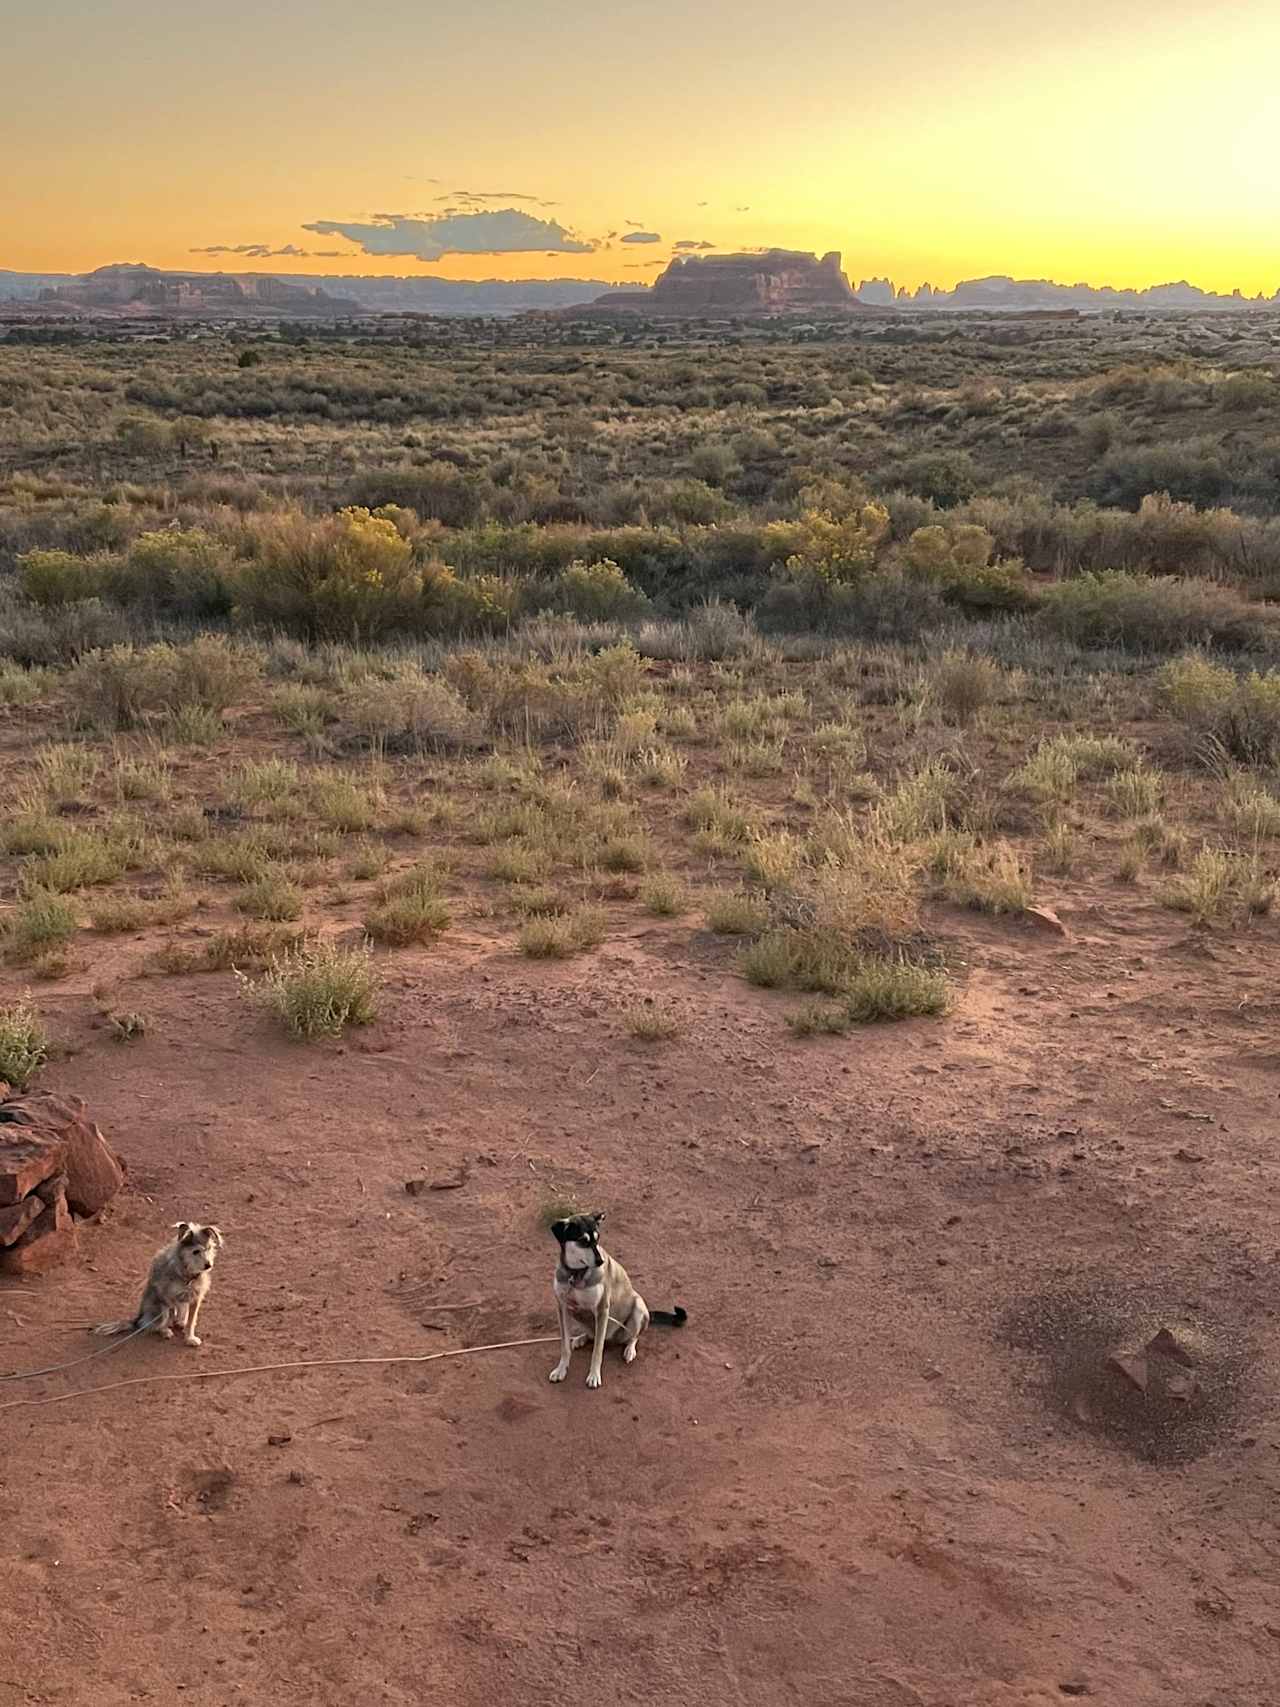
(776, 281)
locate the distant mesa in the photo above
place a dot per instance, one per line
(775, 281)
(130, 287)
(1001, 294)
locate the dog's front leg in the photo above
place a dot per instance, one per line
(598, 1343)
(562, 1368)
(189, 1336)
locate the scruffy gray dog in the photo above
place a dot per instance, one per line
(178, 1284)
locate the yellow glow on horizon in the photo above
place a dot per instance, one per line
(1126, 142)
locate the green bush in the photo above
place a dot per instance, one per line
(597, 592)
(1143, 613)
(1233, 715)
(60, 577)
(349, 576)
(24, 1043)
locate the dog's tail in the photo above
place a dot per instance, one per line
(108, 1330)
(670, 1318)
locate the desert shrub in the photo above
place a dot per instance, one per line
(957, 560)
(558, 937)
(596, 592)
(886, 606)
(869, 986)
(653, 1021)
(40, 921)
(112, 915)
(1060, 762)
(413, 713)
(65, 770)
(1134, 793)
(1152, 614)
(1229, 715)
(992, 879)
(182, 571)
(340, 802)
(272, 897)
(436, 491)
(1192, 471)
(24, 1043)
(946, 478)
(31, 635)
(964, 684)
(32, 831)
(318, 989)
(83, 858)
(574, 698)
(1218, 886)
(838, 548)
(121, 687)
(347, 576)
(1252, 811)
(411, 908)
(20, 686)
(663, 896)
(451, 604)
(1247, 393)
(60, 577)
(302, 708)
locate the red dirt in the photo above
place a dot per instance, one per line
(840, 1483)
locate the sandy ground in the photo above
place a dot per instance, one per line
(884, 1464)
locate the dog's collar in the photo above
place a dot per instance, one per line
(577, 1276)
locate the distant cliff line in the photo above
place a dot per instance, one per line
(429, 294)
(1001, 292)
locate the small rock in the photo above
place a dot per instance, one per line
(1182, 1154)
(1074, 1686)
(279, 1439)
(453, 1181)
(1132, 1366)
(1164, 1344)
(1045, 919)
(415, 1187)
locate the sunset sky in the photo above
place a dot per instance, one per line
(1118, 141)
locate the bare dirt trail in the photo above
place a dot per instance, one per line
(861, 1475)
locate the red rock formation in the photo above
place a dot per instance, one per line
(777, 281)
(53, 1160)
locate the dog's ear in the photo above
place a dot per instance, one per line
(560, 1229)
(597, 1218)
(182, 1228)
(214, 1234)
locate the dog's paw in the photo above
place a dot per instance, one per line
(559, 1372)
(629, 1353)
(578, 1341)
(593, 1379)
(191, 1339)
(164, 1333)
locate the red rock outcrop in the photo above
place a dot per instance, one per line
(776, 281)
(53, 1160)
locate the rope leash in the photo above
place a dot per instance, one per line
(266, 1369)
(104, 1351)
